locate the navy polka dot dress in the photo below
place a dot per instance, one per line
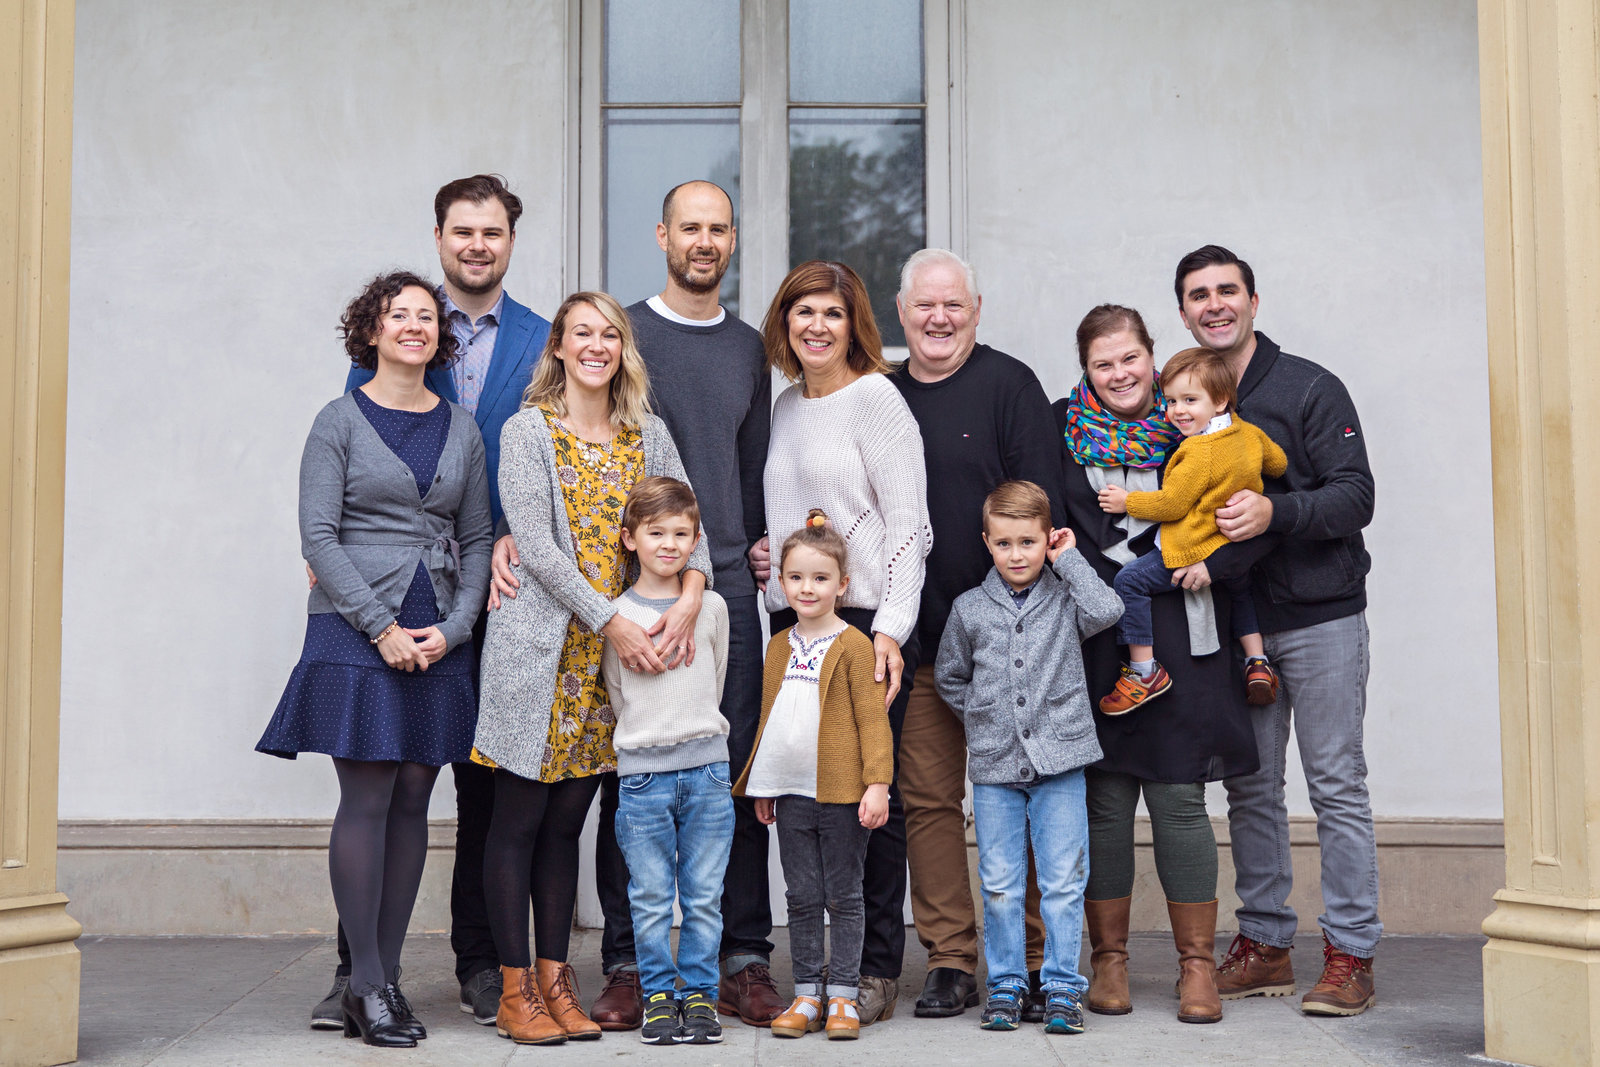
(342, 699)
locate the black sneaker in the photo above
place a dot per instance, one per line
(1004, 1010)
(480, 996)
(700, 1025)
(661, 1020)
(328, 1014)
(1063, 1014)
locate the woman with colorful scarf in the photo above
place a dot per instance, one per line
(1115, 434)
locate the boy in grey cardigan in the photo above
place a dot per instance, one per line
(1010, 666)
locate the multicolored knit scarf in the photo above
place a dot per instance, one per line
(1097, 438)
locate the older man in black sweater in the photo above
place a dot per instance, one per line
(1311, 597)
(984, 420)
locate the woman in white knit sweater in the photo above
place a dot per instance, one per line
(844, 441)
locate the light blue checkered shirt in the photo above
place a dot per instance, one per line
(477, 348)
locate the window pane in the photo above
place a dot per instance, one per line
(856, 195)
(850, 52)
(672, 51)
(647, 152)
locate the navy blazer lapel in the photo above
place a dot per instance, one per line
(509, 361)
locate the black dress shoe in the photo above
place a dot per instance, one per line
(1033, 1004)
(947, 992)
(406, 1017)
(375, 1018)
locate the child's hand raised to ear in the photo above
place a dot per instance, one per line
(874, 809)
(1060, 541)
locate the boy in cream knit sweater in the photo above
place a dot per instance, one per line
(675, 809)
(1219, 456)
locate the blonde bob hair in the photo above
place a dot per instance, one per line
(630, 386)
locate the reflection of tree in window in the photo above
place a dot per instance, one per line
(860, 200)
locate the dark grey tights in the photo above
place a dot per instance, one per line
(1185, 846)
(375, 857)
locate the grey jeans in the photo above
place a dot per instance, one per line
(824, 851)
(1324, 673)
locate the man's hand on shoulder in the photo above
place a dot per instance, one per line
(1247, 514)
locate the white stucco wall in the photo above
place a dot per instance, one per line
(240, 169)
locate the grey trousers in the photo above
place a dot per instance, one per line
(1324, 673)
(824, 850)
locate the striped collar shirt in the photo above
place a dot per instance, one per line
(477, 348)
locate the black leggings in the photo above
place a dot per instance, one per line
(543, 819)
(375, 857)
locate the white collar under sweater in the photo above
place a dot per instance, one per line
(856, 454)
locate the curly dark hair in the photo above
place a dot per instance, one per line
(359, 323)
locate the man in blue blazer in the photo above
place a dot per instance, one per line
(475, 224)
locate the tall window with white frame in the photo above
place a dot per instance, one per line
(813, 114)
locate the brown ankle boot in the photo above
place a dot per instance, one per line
(522, 1016)
(1194, 931)
(560, 989)
(1108, 956)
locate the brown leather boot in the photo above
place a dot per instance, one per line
(1108, 955)
(1252, 969)
(1194, 931)
(522, 1016)
(560, 989)
(620, 1006)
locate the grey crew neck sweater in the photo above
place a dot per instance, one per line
(710, 386)
(670, 721)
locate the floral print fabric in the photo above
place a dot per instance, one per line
(595, 480)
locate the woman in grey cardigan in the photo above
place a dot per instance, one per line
(394, 523)
(567, 460)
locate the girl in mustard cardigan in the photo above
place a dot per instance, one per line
(821, 768)
(1219, 456)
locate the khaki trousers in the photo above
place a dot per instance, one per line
(933, 783)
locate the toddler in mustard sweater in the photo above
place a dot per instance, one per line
(1219, 456)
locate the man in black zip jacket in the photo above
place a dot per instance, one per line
(1310, 594)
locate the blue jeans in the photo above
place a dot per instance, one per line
(675, 828)
(1324, 673)
(1146, 577)
(1054, 812)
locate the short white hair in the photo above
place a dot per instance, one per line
(928, 257)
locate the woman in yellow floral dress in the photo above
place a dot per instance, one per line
(567, 460)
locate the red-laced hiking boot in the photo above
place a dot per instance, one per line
(1345, 987)
(1131, 691)
(1260, 682)
(1252, 969)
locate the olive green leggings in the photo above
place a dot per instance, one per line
(1185, 846)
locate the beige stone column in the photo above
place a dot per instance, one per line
(1540, 72)
(38, 960)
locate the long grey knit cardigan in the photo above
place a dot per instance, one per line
(523, 646)
(363, 528)
(1015, 678)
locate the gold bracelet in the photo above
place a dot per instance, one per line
(387, 630)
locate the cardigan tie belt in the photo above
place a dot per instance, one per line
(444, 556)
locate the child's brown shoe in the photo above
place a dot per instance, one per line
(844, 1024)
(803, 1016)
(1260, 682)
(1131, 690)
